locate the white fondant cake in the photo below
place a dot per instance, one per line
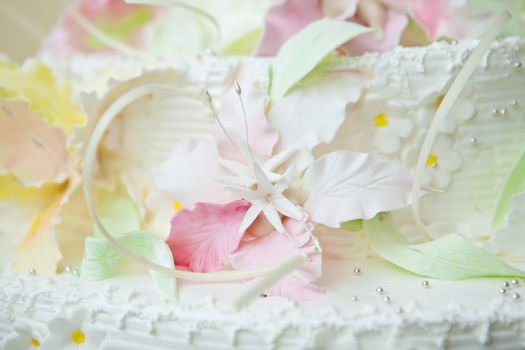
(475, 151)
(353, 315)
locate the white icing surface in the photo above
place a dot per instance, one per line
(447, 314)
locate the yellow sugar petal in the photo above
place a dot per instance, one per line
(11, 190)
(34, 83)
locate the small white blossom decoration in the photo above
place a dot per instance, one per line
(23, 338)
(73, 333)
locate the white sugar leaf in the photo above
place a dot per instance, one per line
(346, 185)
(312, 112)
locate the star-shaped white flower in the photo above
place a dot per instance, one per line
(259, 184)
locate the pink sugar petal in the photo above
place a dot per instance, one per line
(276, 248)
(284, 20)
(396, 22)
(188, 175)
(261, 136)
(429, 14)
(201, 238)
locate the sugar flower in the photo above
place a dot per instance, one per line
(265, 191)
(275, 248)
(37, 166)
(114, 18)
(380, 125)
(23, 338)
(464, 110)
(290, 16)
(73, 332)
(406, 22)
(442, 162)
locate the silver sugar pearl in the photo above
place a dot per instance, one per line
(357, 271)
(32, 272)
(425, 284)
(514, 282)
(473, 140)
(516, 296)
(76, 273)
(502, 111)
(354, 298)
(399, 310)
(380, 290)
(505, 284)
(503, 291)
(494, 111)
(514, 103)
(517, 64)
(67, 269)
(386, 299)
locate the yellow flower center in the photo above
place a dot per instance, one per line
(78, 337)
(438, 101)
(432, 160)
(381, 120)
(177, 206)
(34, 343)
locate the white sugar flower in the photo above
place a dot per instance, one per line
(73, 333)
(464, 109)
(257, 183)
(380, 125)
(442, 162)
(23, 338)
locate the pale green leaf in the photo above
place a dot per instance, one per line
(451, 257)
(303, 51)
(243, 45)
(117, 212)
(101, 259)
(515, 183)
(352, 225)
(516, 27)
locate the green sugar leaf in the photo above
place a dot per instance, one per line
(303, 51)
(243, 45)
(451, 257)
(353, 225)
(117, 212)
(101, 259)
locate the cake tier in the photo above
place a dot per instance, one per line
(353, 315)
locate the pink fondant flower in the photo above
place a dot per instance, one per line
(284, 20)
(262, 157)
(276, 248)
(114, 18)
(389, 19)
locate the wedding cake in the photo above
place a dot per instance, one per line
(356, 183)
